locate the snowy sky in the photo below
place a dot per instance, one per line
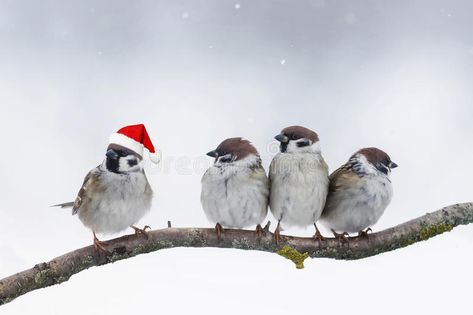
(392, 74)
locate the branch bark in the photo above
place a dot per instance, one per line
(62, 268)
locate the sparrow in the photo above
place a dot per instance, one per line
(299, 180)
(116, 194)
(235, 188)
(359, 192)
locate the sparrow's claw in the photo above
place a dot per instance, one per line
(142, 231)
(365, 233)
(277, 233)
(342, 237)
(266, 227)
(99, 245)
(259, 231)
(318, 236)
(218, 230)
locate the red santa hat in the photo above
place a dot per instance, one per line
(135, 138)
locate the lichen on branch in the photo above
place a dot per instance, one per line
(293, 255)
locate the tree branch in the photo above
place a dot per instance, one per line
(62, 268)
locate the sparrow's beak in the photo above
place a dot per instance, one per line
(282, 138)
(393, 165)
(111, 154)
(213, 154)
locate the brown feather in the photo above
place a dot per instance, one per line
(298, 132)
(90, 183)
(343, 178)
(374, 155)
(238, 147)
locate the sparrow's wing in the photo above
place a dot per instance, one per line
(343, 179)
(259, 174)
(148, 190)
(271, 171)
(91, 180)
(258, 171)
(342, 182)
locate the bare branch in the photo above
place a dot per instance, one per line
(62, 268)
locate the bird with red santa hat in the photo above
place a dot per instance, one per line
(116, 194)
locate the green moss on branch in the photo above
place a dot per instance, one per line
(295, 256)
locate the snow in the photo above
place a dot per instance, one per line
(236, 282)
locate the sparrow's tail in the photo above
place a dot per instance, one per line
(64, 205)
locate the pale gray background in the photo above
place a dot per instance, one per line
(392, 74)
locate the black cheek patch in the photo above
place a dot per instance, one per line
(302, 144)
(226, 159)
(132, 163)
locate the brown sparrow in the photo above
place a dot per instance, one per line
(299, 179)
(359, 193)
(116, 194)
(235, 188)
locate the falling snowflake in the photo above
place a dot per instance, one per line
(283, 61)
(185, 15)
(237, 5)
(350, 18)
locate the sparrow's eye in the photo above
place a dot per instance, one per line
(121, 153)
(227, 158)
(382, 167)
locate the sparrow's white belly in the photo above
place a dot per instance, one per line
(299, 186)
(356, 209)
(122, 204)
(235, 197)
